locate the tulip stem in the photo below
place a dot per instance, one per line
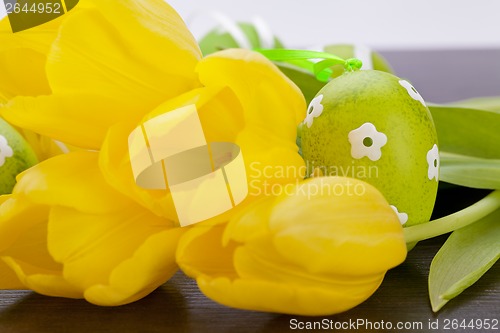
(455, 221)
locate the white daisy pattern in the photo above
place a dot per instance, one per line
(367, 141)
(314, 110)
(433, 162)
(412, 91)
(5, 150)
(403, 217)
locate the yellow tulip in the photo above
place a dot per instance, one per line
(245, 99)
(111, 60)
(320, 248)
(65, 232)
(22, 63)
(77, 225)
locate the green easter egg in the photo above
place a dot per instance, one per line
(374, 126)
(15, 156)
(308, 83)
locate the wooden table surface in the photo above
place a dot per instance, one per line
(178, 306)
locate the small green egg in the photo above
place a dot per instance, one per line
(374, 126)
(16, 155)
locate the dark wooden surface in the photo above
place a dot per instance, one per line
(178, 306)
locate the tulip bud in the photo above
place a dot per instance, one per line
(321, 248)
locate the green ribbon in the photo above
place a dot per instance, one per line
(302, 59)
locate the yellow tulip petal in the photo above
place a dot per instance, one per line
(91, 246)
(111, 61)
(272, 108)
(49, 283)
(221, 119)
(115, 159)
(250, 223)
(31, 248)
(200, 252)
(23, 73)
(29, 259)
(18, 214)
(25, 261)
(23, 56)
(261, 262)
(360, 224)
(221, 116)
(153, 25)
(77, 119)
(114, 162)
(94, 54)
(138, 53)
(8, 278)
(271, 101)
(220, 112)
(151, 265)
(43, 146)
(71, 180)
(261, 295)
(39, 38)
(271, 163)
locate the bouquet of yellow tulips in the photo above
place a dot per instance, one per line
(98, 106)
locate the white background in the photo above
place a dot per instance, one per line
(382, 24)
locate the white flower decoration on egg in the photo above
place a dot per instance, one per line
(5, 150)
(314, 110)
(403, 217)
(367, 141)
(412, 91)
(433, 162)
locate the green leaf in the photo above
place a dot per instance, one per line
(482, 103)
(467, 254)
(470, 171)
(220, 39)
(466, 131)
